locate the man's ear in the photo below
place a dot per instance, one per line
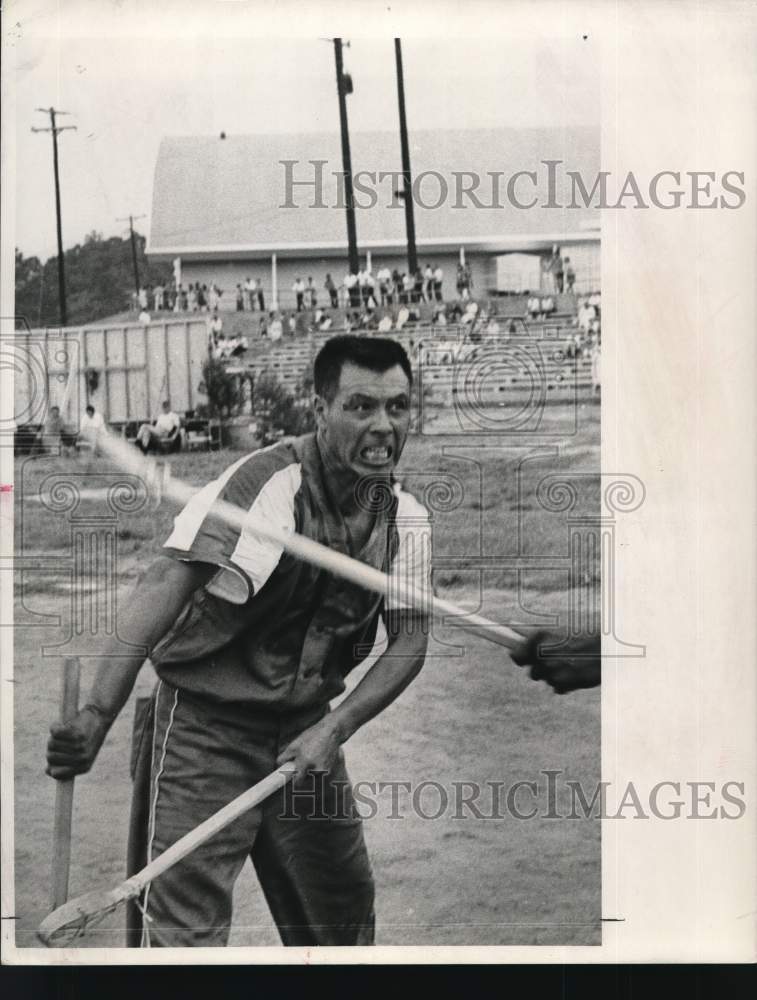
(320, 406)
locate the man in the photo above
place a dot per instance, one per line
(299, 293)
(250, 645)
(332, 290)
(384, 278)
(91, 428)
(566, 665)
(162, 435)
(54, 436)
(438, 281)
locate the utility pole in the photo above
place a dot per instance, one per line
(130, 219)
(55, 129)
(342, 83)
(407, 186)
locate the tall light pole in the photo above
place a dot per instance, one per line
(407, 183)
(55, 129)
(130, 219)
(342, 83)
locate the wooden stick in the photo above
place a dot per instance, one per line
(249, 799)
(64, 790)
(131, 460)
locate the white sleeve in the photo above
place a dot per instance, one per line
(412, 564)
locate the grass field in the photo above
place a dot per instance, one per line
(471, 716)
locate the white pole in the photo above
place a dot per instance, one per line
(367, 260)
(462, 256)
(274, 284)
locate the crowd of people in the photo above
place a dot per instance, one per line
(195, 297)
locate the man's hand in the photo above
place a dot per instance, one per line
(73, 746)
(576, 664)
(314, 750)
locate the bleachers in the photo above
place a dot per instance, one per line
(448, 361)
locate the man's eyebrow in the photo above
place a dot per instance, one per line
(360, 396)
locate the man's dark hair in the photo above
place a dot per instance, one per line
(377, 354)
(90, 409)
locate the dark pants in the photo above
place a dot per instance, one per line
(192, 757)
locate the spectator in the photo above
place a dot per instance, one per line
(418, 286)
(556, 267)
(275, 328)
(311, 295)
(158, 296)
(408, 284)
(201, 291)
(240, 299)
(428, 283)
(213, 298)
(547, 306)
(192, 299)
(299, 293)
(402, 317)
(291, 325)
(332, 291)
(144, 317)
(596, 369)
(384, 278)
(396, 286)
(385, 323)
(570, 277)
(468, 286)
(54, 435)
(91, 428)
(249, 294)
(586, 316)
(142, 297)
(438, 280)
(353, 290)
(164, 434)
(460, 281)
(260, 294)
(533, 307)
(215, 326)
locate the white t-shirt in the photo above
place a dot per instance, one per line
(167, 423)
(91, 427)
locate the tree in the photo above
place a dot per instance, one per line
(99, 281)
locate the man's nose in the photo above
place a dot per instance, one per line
(381, 422)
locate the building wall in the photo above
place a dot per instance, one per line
(227, 274)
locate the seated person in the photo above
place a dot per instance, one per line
(402, 317)
(533, 307)
(385, 324)
(54, 434)
(163, 435)
(91, 428)
(547, 305)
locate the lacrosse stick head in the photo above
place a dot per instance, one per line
(63, 926)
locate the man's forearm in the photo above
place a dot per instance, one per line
(384, 682)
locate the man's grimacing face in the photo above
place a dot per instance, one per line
(365, 426)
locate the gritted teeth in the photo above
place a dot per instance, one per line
(376, 453)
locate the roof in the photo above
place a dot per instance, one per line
(219, 197)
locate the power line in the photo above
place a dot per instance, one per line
(55, 129)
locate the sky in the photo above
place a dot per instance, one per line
(132, 71)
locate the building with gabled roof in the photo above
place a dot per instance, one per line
(271, 206)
